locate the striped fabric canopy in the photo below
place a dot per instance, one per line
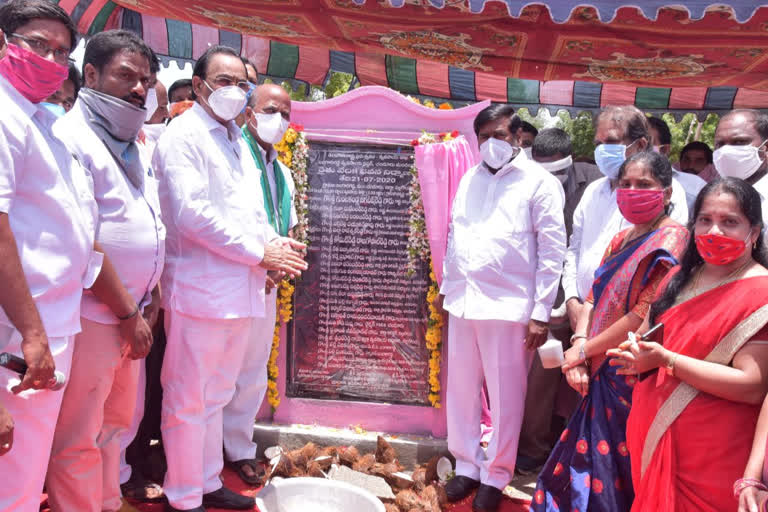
(619, 77)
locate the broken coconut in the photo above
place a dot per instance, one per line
(324, 461)
(391, 507)
(407, 500)
(349, 455)
(314, 470)
(282, 466)
(432, 498)
(444, 469)
(419, 477)
(298, 459)
(309, 451)
(365, 463)
(384, 451)
(272, 452)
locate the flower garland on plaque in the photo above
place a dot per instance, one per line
(293, 152)
(418, 253)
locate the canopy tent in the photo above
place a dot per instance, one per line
(696, 58)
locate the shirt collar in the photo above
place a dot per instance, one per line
(211, 124)
(23, 103)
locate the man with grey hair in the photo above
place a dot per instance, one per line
(266, 119)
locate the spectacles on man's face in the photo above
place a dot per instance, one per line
(226, 81)
(43, 49)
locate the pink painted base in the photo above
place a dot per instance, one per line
(364, 116)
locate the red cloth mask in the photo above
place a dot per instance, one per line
(720, 249)
(640, 206)
(33, 76)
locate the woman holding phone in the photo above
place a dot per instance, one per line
(686, 431)
(589, 467)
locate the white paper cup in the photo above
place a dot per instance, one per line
(551, 353)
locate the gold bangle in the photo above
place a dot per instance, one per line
(671, 364)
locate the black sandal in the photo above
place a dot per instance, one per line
(258, 470)
(141, 490)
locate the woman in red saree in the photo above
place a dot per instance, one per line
(686, 430)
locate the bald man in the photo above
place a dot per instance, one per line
(267, 117)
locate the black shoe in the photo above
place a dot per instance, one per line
(488, 499)
(170, 508)
(230, 500)
(528, 465)
(459, 487)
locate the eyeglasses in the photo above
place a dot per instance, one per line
(225, 81)
(42, 48)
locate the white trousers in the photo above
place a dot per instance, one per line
(97, 409)
(34, 413)
(494, 350)
(202, 360)
(138, 414)
(251, 386)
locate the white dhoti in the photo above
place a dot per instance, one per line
(202, 360)
(251, 386)
(494, 350)
(97, 410)
(34, 415)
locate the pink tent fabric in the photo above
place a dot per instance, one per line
(441, 167)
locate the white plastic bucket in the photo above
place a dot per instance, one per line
(316, 495)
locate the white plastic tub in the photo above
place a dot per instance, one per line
(316, 495)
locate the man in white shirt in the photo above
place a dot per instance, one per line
(47, 225)
(266, 120)
(741, 138)
(220, 247)
(503, 263)
(661, 141)
(101, 132)
(620, 132)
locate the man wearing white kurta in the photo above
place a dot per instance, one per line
(101, 131)
(220, 247)
(47, 226)
(597, 219)
(505, 254)
(267, 118)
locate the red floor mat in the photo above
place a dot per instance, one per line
(232, 481)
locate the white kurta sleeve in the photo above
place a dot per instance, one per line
(679, 211)
(571, 267)
(179, 165)
(547, 217)
(7, 172)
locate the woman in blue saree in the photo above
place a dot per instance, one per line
(589, 468)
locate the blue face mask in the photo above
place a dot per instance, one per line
(609, 158)
(55, 109)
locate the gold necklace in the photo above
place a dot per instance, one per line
(697, 278)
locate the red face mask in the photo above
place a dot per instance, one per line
(720, 249)
(33, 76)
(640, 206)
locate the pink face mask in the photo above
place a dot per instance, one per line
(640, 206)
(33, 76)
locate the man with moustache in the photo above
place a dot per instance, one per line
(101, 132)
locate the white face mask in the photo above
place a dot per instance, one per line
(496, 153)
(528, 152)
(226, 102)
(557, 165)
(271, 127)
(737, 161)
(151, 103)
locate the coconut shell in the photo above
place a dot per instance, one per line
(407, 500)
(431, 470)
(384, 451)
(349, 455)
(298, 458)
(442, 496)
(383, 470)
(364, 463)
(431, 499)
(329, 451)
(284, 468)
(400, 480)
(309, 451)
(391, 507)
(324, 461)
(419, 478)
(314, 470)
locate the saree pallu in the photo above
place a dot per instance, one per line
(589, 467)
(688, 447)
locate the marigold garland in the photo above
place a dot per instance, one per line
(418, 253)
(293, 152)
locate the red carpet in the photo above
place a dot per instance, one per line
(232, 481)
